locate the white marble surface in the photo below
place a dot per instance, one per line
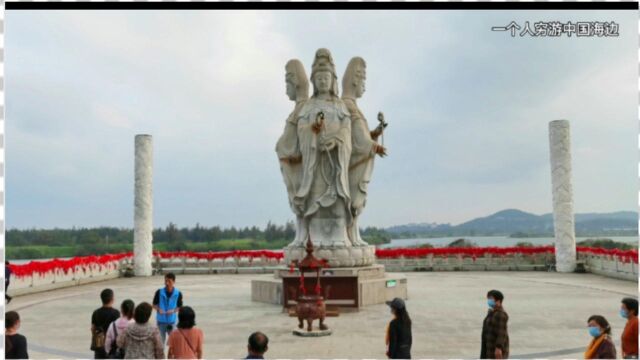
(143, 206)
(560, 149)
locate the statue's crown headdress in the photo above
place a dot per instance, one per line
(323, 61)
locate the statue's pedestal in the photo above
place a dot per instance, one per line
(348, 287)
(336, 256)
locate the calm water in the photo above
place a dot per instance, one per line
(500, 241)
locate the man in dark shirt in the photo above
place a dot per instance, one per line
(167, 302)
(495, 337)
(100, 321)
(258, 345)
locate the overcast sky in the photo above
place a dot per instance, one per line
(468, 110)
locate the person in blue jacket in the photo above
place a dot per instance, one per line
(167, 302)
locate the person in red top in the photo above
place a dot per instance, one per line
(629, 311)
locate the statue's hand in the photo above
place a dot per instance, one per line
(381, 150)
(319, 123)
(293, 160)
(375, 134)
(329, 144)
(316, 127)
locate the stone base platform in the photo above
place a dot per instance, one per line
(336, 256)
(348, 287)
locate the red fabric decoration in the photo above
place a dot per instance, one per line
(86, 263)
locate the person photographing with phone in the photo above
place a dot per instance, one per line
(167, 302)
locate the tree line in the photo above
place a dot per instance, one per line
(46, 243)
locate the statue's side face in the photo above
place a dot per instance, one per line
(361, 78)
(291, 86)
(322, 82)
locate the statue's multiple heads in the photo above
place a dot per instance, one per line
(353, 81)
(324, 77)
(296, 80)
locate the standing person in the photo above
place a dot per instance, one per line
(7, 279)
(495, 337)
(100, 321)
(601, 347)
(15, 345)
(258, 345)
(186, 341)
(629, 311)
(118, 327)
(167, 301)
(141, 340)
(398, 337)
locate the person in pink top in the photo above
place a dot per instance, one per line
(186, 341)
(118, 327)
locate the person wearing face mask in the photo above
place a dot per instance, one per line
(398, 337)
(629, 311)
(15, 345)
(495, 337)
(601, 346)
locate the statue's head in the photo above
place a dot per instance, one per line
(296, 79)
(323, 74)
(353, 81)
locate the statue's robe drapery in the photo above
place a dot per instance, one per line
(360, 165)
(323, 196)
(288, 147)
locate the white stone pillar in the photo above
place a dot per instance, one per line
(143, 206)
(565, 240)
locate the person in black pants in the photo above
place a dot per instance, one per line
(100, 321)
(15, 344)
(399, 331)
(7, 279)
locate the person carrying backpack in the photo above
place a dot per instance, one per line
(100, 321)
(118, 327)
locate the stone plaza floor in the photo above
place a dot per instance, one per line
(547, 311)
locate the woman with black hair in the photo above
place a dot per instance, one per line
(399, 331)
(15, 345)
(601, 347)
(186, 341)
(118, 327)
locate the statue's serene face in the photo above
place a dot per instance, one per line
(322, 81)
(361, 78)
(291, 86)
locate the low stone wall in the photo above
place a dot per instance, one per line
(610, 266)
(58, 279)
(516, 262)
(230, 265)
(596, 264)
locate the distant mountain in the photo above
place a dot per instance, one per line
(506, 222)
(522, 224)
(416, 228)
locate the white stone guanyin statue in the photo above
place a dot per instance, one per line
(323, 197)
